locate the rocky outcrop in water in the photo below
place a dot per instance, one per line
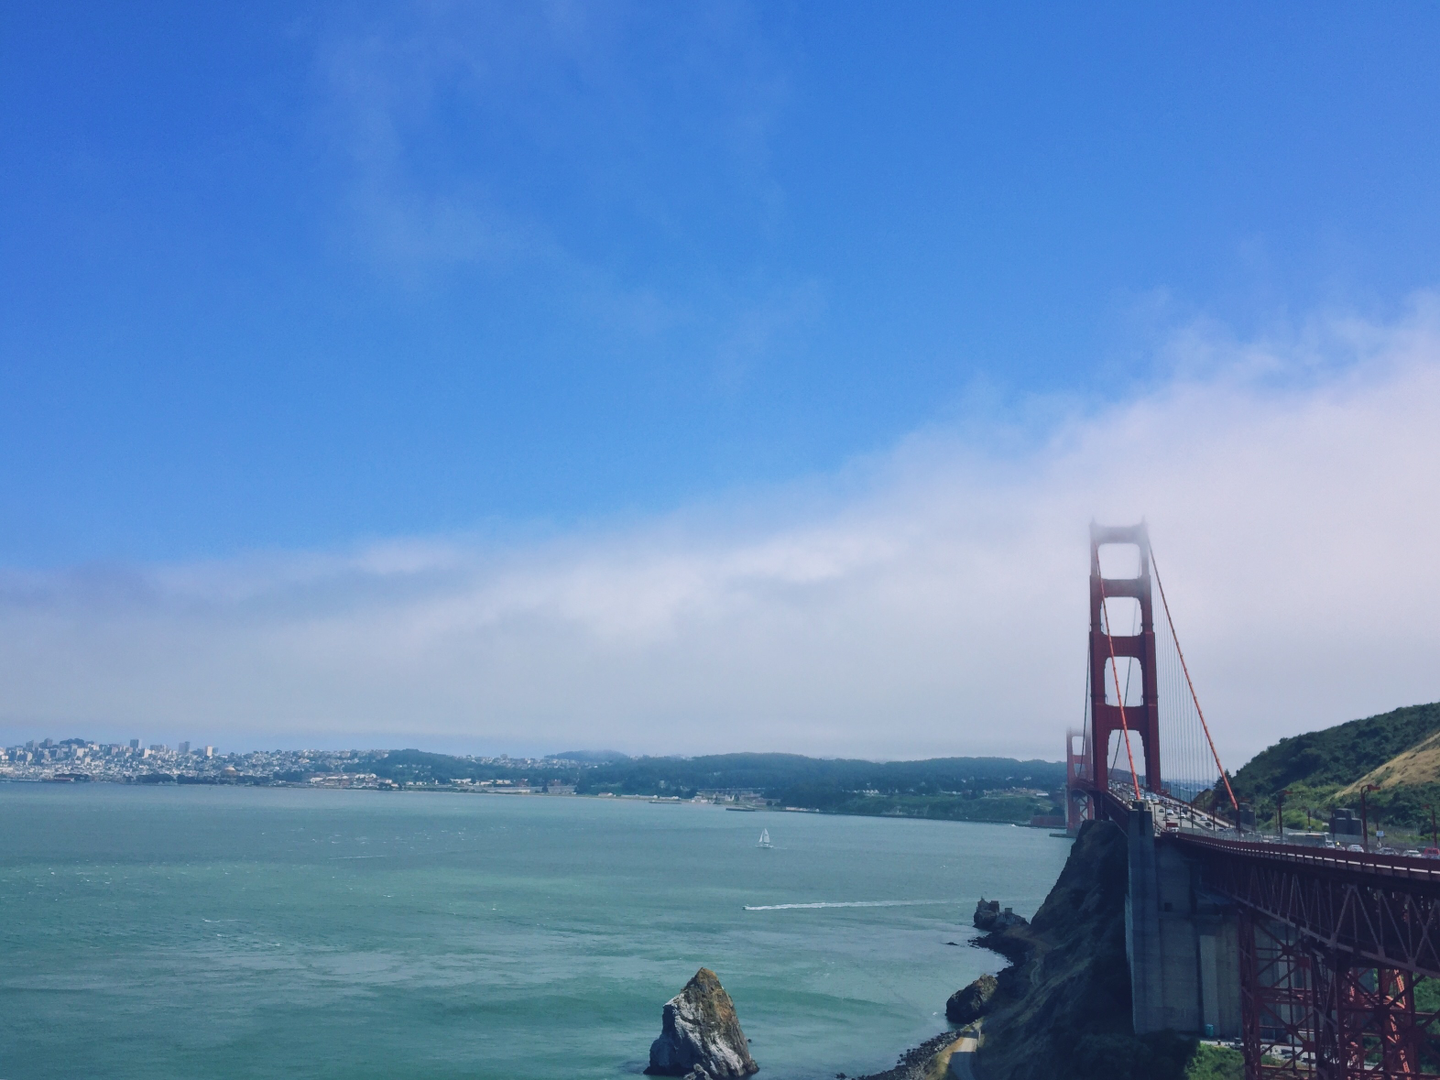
(968, 1005)
(700, 1036)
(989, 917)
(1006, 933)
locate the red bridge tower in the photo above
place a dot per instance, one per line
(1141, 720)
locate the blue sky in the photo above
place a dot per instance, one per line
(287, 282)
(279, 276)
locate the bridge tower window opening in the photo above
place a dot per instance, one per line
(1119, 768)
(1120, 560)
(1127, 673)
(1120, 615)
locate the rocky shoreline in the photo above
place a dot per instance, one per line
(921, 1062)
(1065, 994)
(1061, 1006)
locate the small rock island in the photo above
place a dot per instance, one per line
(700, 1036)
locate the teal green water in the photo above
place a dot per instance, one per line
(232, 932)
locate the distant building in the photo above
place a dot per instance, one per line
(184, 748)
(134, 744)
(210, 751)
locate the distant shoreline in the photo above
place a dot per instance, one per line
(445, 790)
(999, 790)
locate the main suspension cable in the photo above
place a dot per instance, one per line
(1154, 566)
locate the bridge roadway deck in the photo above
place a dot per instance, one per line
(1193, 826)
(1360, 865)
(1358, 907)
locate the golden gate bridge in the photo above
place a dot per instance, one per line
(1311, 956)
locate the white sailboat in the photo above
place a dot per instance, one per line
(764, 838)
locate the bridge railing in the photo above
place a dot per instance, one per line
(1175, 818)
(1406, 867)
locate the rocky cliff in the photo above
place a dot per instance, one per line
(700, 1036)
(1063, 1006)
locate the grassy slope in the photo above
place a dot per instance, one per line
(1338, 755)
(1317, 769)
(1418, 765)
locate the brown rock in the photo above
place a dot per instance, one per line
(968, 1005)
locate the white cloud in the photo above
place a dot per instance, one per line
(931, 600)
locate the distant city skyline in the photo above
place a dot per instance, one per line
(527, 377)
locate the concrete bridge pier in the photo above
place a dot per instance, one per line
(1182, 943)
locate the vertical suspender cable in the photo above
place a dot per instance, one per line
(1185, 668)
(1134, 629)
(1115, 671)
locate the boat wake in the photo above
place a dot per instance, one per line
(847, 903)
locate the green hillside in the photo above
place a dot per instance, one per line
(955, 789)
(1336, 756)
(1315, 767)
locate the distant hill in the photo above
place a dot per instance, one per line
(590, 757)
(1337, 756)
(1398, 751)
(959, 789)
(784, 776)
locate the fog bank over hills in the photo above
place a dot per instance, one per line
(925, 601)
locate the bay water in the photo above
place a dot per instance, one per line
(228, 932)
